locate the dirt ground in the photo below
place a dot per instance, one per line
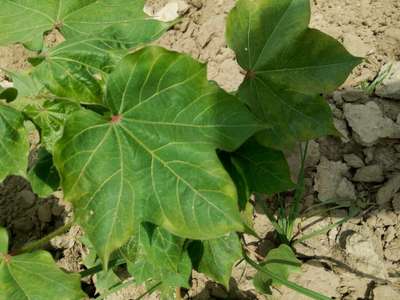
(357, 260)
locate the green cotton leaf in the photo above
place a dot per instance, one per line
(280, 261)
(76, 68)
(155, 157)
(264, 170)
(215, 258)
(43, 176)
(14, 146)
(8, 94)
(36, 276)
(161, 256)
(3, 241)
(288, 67)
(24, 21)
(49, 117)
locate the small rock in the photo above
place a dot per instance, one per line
(372, 173)
(386, 292)
(385, 156)
(355, 45)
(354, 95)
(392, 250)
(354, 161)
(390, 86)
(341, 126)
(329, 176)
(388, 190)
(346, 190)
(26, 199)
(368, 121)
(364, 252)
(23, 224)
(369, 154)
(169, 12)
(44, 213)
(386, 218)
(196, 3)
(396, 203)
(390, 234)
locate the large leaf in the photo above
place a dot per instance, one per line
(280, 261)
(49, 117)
(35, 276)
(160, 257)
(288, 66)
(14, 146)
(264, 170)
(43, 176)
(154, 159)
(25, 21)
(216, 257)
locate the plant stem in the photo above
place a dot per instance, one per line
(115, 289)
(178, 293)
(298, 196)
(149, 291)
(39, 243)
(99, 267)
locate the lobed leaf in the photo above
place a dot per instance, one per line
(49, 117)
(14, 146)
(288, 67)
(167, 122)
(160, 256)
(215, 258)
(280, 261)
(25, 21)
(35, 276)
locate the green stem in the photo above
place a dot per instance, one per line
(99, 267)
(280, 280)
(295, 208)
(149, 291)
(115, 289)
(43, 241)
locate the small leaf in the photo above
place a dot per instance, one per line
(264, 170)
(36, 276)
(14, 146)
(26, 21)
(43, 176)
(167, 123)
(280, 261)
(8, 94)
(288, 66)
(49, 116)
(160, 257)
(3, 241)
(215, 258)
(75, 69)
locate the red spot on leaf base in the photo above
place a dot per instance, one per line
(116, 118)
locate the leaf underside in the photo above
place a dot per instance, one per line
(25, 21)
(14, 146)
(154, 160)
(288, 67)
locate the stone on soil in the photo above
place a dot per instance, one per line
(369, 123)
(372, 173)
(328, 178)
(388, 190)
(354, 161)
